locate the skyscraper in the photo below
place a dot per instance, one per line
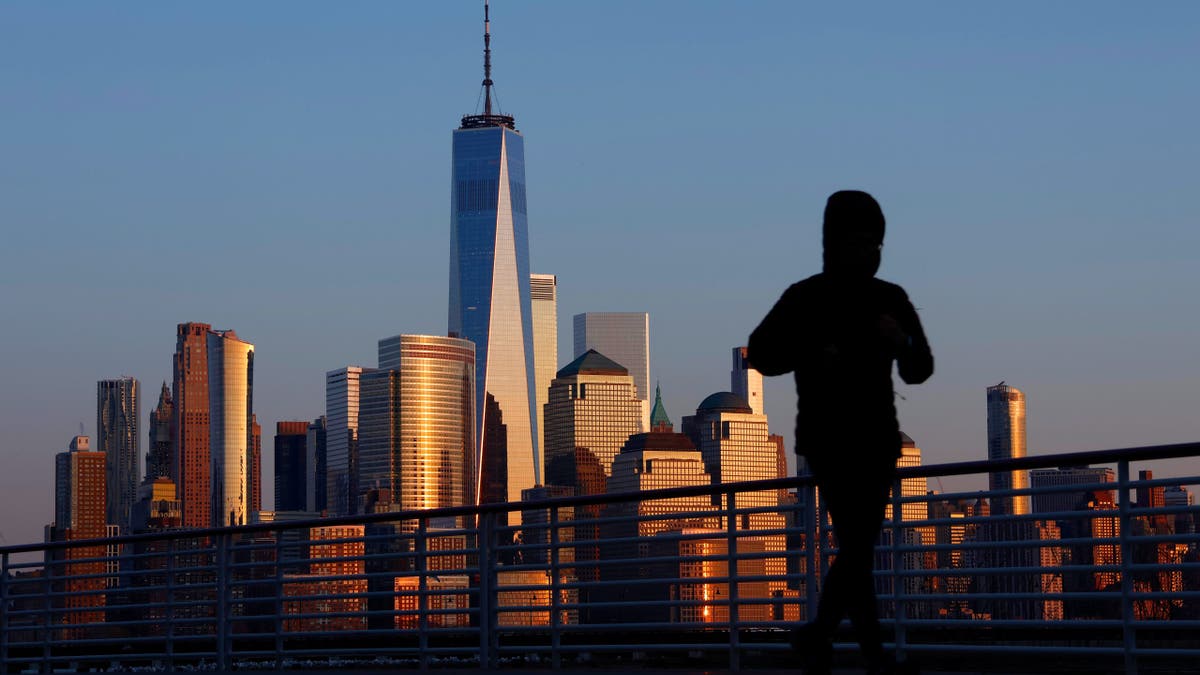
(118, 409)
(190, 467)
(315, 474)
(158, 457)
(623, 337)
(231, 427)
(593, 410)
(489, 278)
(745, 381)
(255, 466)
(1069, 475)
(736, 446)
(416, 423)
(291, 466)
(543, 293)
(1006, 440)
(79, 513)
(341, 438)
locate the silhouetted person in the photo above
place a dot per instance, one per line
(839, 332)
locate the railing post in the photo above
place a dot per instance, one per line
(170, 595)
(812, 564)
(898, 594)
(4, 613)
(555, 590)
(420, 546)
(48, 609)
(1128, 637)
(735, 638)
(222, 629)
(279, 600)
(487, 588)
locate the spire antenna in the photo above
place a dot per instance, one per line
(487, 118)
(487, 60)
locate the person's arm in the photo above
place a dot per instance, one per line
(772, 346)
(914, 360)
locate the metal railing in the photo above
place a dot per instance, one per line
(714, 573)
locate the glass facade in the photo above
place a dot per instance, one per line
(1006, 440)
(489, 289)
(118, 410)
(417, 424)
(231, 406)
(341, 438)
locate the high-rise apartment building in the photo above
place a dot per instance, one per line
(623, 337)
(315, 473)
(341, 438)
(593, 409)
(118, 410)
(417, 425)
(191, 466)
(1006, 440)
(231, 427)
(543, 294)
(746, 382)
(291, 466)
(80, 507)
(158, 456)
(490, 301)
(80, 491)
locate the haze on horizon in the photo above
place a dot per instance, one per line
(282, 169)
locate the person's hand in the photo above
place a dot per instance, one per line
(891, 331)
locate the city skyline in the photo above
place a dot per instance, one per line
(1097, 382)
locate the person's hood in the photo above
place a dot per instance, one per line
(852, 234)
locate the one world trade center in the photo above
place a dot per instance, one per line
(489, 294)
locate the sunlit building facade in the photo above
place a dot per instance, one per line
(79, 513)
(489, 285)
(231, 435)
(417, 425)
(118, 410)
(543, 294)
(623, 337)
(593, 409)
(1006, 440)
(746, 382)
(191, 466)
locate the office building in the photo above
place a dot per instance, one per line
(416, 423)
(1085, 477)
(490, 301)
(158, 456)
(191, 466)
(654, 461)
(231, 427)
(912, 487)
(157, 508)
(746, 382)
(593, 409)
(315, 473)
(1006, 440)
(623, 337)
(543, 294)
(736, 446)
(341, 438)
(118, 410)
(291, 466)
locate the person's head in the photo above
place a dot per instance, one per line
(852, 234)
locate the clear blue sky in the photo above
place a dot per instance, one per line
(282, 168)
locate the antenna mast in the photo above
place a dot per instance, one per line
(487, 118)
(487, 60)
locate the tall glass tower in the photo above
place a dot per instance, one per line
(489, 280)
(1006, 440)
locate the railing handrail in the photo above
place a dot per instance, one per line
(1141, 453)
